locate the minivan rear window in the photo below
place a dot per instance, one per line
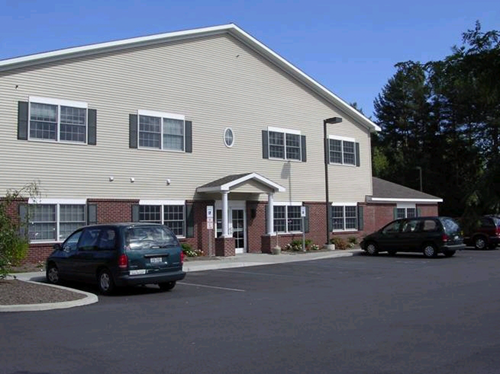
(149, 237)
(450, 226)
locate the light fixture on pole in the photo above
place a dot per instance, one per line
(332, 120)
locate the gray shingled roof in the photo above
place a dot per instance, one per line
(383, 189)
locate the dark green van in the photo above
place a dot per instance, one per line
(118, 255)
(428, 235)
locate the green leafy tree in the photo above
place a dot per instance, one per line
(13, 242)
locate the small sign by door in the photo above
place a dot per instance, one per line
(210, 211)
(302, 211)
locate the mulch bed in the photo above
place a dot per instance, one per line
(15, 292)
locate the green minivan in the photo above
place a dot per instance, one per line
(118, 255)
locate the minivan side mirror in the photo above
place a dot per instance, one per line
(57, 247)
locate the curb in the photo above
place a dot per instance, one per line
(88, 299)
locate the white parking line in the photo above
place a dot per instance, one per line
(218, 288)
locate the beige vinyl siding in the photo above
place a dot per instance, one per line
(216, 82)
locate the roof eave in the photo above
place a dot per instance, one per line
(371, 199)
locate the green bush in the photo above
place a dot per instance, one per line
(339, 243)
(14, 245)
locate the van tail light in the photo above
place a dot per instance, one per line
(123, 262)
(182, 257)
(497, 231)
(445, 238)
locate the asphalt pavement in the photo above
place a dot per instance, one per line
(191, 265)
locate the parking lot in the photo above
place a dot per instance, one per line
(362, 314)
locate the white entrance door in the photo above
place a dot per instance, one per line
(237, 224)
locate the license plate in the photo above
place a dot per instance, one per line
(155, 260)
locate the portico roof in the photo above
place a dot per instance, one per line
(228, 182)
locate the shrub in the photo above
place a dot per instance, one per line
(189, 251)
(13, 243)
(339, 243)
(296, 246)
(352, 240)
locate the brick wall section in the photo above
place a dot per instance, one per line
(225, 247)
(113, 210)
(256, 227)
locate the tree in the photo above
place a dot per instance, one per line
(14, 240)
(444, 116)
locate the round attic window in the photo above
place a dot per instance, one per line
(228, 137)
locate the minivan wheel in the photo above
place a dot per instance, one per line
(430, 250)
(167, 286)
(480, 242)
(105, 282)
(372, 249)
(53, 274)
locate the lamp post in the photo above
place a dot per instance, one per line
(419, 168)
(332, 120)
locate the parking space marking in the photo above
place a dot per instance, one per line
(215, 287)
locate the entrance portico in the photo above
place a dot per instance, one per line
(242, 187)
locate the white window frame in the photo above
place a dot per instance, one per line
(344, 218)
(162, 116)
(162, 204)
(57, 203)
(342, 139)
(225, 139)
(286, 205)
(58, 103)
(405, 207)
(284, 132)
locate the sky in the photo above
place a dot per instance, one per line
(350, 47)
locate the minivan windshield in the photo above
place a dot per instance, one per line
(149, 237)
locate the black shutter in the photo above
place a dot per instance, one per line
(360, 218)
(395, 213)
(22, 120)
(265, 145)
(91, 214)
(306, 220)
(23, 220)
(326, 150)
(189, 137)
(189, 221)
(358, 161)
(92, 126)
(304, 149)
(132, 122)
(135, 213)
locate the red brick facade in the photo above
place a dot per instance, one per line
(115, 210)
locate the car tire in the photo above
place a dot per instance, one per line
(449, 253)
(430, 250)
(52, 274)
(480, 242)
(167, 286)
(372, 249)
(392, 252)
(105, 282)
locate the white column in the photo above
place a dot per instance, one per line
(270, 213)
(225, 212)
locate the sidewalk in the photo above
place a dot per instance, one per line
(190, 265)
